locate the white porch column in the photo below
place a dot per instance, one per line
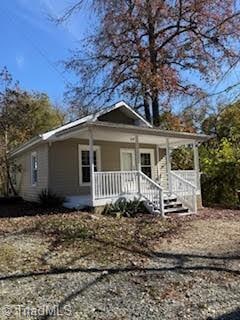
(168, 158)
(196, 163)
(157, 159)
(137, 161)
(91, 160)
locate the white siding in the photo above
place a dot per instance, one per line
(24, 181)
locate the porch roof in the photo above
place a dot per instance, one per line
(126, 133)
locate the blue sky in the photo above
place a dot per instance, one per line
(32, 46)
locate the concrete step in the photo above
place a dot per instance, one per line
(172, 204)
(176, 210)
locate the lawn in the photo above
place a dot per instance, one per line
(87, 266)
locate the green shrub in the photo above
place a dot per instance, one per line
(48, 199)
(221, 174)
(125, 208)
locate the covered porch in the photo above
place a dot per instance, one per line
(137, 164)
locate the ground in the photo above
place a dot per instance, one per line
(84, 266)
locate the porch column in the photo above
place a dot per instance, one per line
(168, 158)
(157, 159)
(137, 161)
(196, 164)
(91, 162)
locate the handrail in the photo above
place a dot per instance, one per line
(150, 180)
(184, 190)
(189, 175)
(154, 196)
(183, 180)
(112, 184)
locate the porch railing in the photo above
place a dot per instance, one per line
(152, 191)
(189, 175)
(112, 184)
(184, 190)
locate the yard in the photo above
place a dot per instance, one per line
(84, 266)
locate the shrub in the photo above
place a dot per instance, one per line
(10, 200)
(125, 208)
(48, 199)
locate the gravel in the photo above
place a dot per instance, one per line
(192, 275)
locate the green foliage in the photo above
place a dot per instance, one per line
(124, 208)
(23, 115)
(49, 199)
(220, 163)
(182, 159)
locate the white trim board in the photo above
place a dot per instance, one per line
(85, 147)
(141, 150)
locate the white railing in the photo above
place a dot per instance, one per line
(113, 184)
(189, 175)
(184, 190)
(151, 191)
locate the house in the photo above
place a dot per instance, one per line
(107, 155)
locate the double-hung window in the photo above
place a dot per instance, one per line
(146, 163)
(84, 163)
(34, 168)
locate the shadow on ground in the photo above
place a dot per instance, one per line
(180, 263)
(235, 315)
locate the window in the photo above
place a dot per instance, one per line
(84, 163)
(34, 168)
(146, 166)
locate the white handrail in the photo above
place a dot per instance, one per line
(152, 191)
(185, 191)
(189, 175)
(113, 184)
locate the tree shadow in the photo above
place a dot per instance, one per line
(24, 208)
(177, 261)
(74, 294)
(235, 315)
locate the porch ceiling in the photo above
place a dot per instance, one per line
(117, 133)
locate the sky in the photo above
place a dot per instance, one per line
(32, 46)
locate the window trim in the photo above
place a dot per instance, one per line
(152, 159)
(141, 150)
(85, 147)
(34, 154)
(127, 150)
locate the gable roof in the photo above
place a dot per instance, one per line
(91, 118)
(95, 120)
(94, 117)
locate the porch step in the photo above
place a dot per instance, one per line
(176, 210)
(172, 206)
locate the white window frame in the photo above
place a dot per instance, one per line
(152, 159)
(141, 150)
(34, 155)
(124, 150)
(81, 148)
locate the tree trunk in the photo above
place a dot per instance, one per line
(147, 109)
(155, 109)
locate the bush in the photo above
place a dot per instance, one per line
(221, 174)
(49, 199)
(10, 200)
(125, 208)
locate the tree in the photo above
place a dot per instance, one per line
(23, 115)
(220, 156)
(152, 50)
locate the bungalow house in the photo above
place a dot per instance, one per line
(110, 154)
